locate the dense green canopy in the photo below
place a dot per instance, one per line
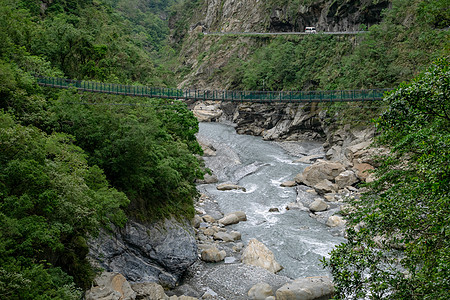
(401, 248)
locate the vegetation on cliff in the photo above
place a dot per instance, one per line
(403, 44)
(398, 242)
(71, 163)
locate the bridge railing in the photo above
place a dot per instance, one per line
(216, 95)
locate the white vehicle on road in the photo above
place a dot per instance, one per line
(310, 30)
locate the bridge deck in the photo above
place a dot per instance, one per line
(215, 95)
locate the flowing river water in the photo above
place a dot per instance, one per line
(297, 240)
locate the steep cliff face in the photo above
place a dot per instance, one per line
(212, 62)
(337, 15)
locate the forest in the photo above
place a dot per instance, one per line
(73, 163)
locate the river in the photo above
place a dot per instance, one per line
(297, 240)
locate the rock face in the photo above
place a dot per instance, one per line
(157, 253)
(257, 254)
(208, 62)
(306, 289)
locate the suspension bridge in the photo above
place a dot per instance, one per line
(215, 95)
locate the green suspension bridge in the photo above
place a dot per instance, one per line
(214, 95)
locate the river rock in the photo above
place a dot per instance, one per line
(318, 205)
(213, 255)
(236, 235)
(149, 291)
(346, 178)
(229, 187)
(306, 289)
(325, 186)
(160, 252)
(111, 286)
(208, 219)
(260, 291)
(362, 170)
(335, 221)
(257, 254)
(288, 184)
(319, 171)
(223, 236)
(233, 218)
(210, 231)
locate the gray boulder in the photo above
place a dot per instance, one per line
(318, 205)
(346, 178)
(321, 170)
(160, 252)
(325, 186)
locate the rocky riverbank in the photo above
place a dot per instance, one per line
(218, 265)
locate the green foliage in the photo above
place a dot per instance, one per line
(54, 195)
(406, 208)
(404, 43)
(145, 150)
(50, 201)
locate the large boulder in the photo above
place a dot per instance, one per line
(206, 113)
(260, 291)
(160, 252)
(325, 186)
(233, 218)
(363, 170)
(321, 170)
(257, 254)
(213, 254)
(111, 286)
(306, 289)
(318, 205)
(346, 178)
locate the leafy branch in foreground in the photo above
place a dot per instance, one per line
(401, 247)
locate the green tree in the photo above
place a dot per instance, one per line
(398, 242)
(50, 201)
(146, 149)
